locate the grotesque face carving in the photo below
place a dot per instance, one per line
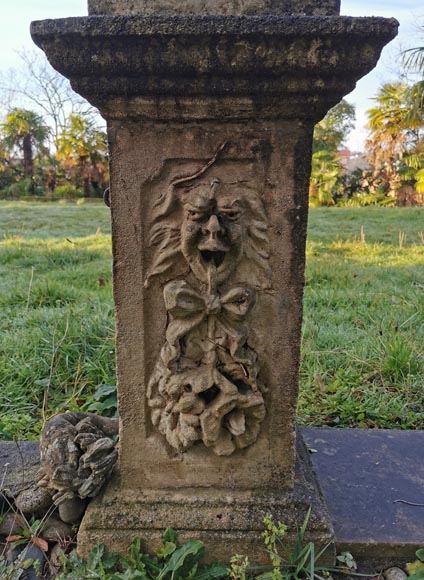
(211, 226)
(205, 387)
(212, 232)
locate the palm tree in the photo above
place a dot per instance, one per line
(414, 58)
(26, 132)
(414, 63)
(326, 176)
(394, 131)
(82, 150)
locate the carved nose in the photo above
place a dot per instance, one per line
(213, 225)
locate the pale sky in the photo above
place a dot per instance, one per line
(16, 16)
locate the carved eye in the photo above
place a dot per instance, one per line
(196, 216)
(232, 215)
(241, 301)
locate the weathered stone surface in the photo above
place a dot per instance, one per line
(72, 510)
(77, 455)
(225, 7)
(27, 552)
(33, 500)
(205, 385)
(210, 123)
(364, 474)
(276, 67)
(228, 522)
(395, 574)
(55, 530)
(255, 158)
(19, 462)
(9, 524)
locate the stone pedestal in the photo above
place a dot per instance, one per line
(210, 117)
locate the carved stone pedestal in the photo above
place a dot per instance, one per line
(228, 521)
(210, 120)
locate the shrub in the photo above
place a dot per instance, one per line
(66, 191)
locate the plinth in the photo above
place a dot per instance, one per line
(210, 109)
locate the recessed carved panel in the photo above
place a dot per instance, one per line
(205, 386)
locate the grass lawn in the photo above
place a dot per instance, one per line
(363, 353)
(363, 339)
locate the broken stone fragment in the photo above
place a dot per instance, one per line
(72, 510)
(55, 530)
(394, 574)
(29, 552)
(9, 524)
(77, 455)
(34, 500)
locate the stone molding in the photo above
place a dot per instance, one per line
(225, 7)
(284, 66)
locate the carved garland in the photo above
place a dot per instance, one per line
(205, 383)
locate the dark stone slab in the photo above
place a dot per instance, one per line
(363, 474)
(307, 7)
(19, 462)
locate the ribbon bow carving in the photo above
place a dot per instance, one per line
(189, 309)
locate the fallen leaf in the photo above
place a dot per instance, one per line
(42, 544)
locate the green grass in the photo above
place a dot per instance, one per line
(363, 353)
(56, 314)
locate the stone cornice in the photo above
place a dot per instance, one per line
(307, 62)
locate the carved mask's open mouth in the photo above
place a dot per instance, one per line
(215, 258)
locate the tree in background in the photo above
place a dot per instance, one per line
(331, 133)
(395, 135)
(327, 171)
(414, 62)
(25, 135)
(39, 87)
(395, 145)
(73, 156)
(82, 153)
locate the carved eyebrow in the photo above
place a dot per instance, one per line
(203, 205)
(229, 205)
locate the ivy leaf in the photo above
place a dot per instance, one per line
(167, 549)
(184, 557)
(169, 535)
(419, 575)
(212, 572)
(27, 563)
(413, 567)
(109, 560)
(95, 556)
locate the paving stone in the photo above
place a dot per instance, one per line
(19, 462)
(371, 480)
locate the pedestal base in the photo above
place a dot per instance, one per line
(227, 522)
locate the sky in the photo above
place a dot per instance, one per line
(17, 15)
